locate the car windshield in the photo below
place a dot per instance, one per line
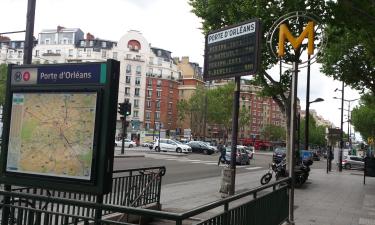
(280, 150)
(177, 142)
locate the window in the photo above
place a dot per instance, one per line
(91, 43)
(170, 106)
(148, 115)
(19, 54)
(157, 115)
(158, 94)
(149, 93)
(151, 60)
(79, 53)
(82, 43)
(104, 54)
(65, 41)
(159, 61)
(147, 125)
(88, 52)
(58, 51)
(138, 70)
(36, 52)
(70, 52)
(49, 51)
(158, 83)
(158, 104)
(148, 104)
(22, 44)
(104, 44)
(127, 79)
(127, 91)
(149, 82)
(137, 81)
(136, 103)
(136, 91)
(128, 56)
(138, 57)
(114, 55)
(48, 41)
(135, 113)
(160, 72)
(128, 68)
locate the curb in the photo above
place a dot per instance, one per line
(129, 156)
(168, 153)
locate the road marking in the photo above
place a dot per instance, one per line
(204, 162)
(211, 163)
(253, 168)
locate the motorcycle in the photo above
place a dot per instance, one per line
(279, 169)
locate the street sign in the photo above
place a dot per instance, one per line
(232, 51)
(59, 126)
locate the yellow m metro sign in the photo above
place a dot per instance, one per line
(284, 34)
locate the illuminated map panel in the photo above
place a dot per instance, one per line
(52, 134)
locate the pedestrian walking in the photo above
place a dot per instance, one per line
(222, 151)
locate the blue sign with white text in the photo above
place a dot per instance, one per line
(70, 74)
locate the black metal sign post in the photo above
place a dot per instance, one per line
(123, 122)
(233, 52)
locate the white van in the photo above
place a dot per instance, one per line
(168, 145)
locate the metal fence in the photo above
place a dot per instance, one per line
(132, 187)
(263, 208)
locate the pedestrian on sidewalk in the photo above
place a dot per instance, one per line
(222, 151)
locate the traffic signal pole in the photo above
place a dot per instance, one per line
(123, 134)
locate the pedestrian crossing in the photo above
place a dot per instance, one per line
(198, 161)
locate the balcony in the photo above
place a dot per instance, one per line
(51, 54)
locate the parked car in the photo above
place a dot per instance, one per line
(169, 145)
(279, 154)
(242, 156)
(200, 147)
(147, 144)
(250, 151)
(353, 162)
(315, 157)
(128, 143)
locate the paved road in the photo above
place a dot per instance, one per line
(188, 167)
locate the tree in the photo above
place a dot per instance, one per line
(316, 133)
(363, 116)
(183, 108)
(272, 132)
(244, 117)
(216, 14)
(350, 54)
(197, 111)
(3, 77)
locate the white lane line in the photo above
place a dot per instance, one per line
(205, 162)
(253, 168)
(169, 158)
(211, 163)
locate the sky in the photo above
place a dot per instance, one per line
(166, 24)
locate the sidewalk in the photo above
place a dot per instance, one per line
(325, 199)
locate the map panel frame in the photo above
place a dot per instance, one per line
(18, 101)
(99, 77)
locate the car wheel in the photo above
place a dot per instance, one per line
(205, 152)
(179, 150)
(348, 166)
(157, 149)
(130, 146)
(248, 162)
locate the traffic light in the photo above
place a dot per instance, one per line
(127, 108)
(121, 108)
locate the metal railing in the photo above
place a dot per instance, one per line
(132, 187)
(263, 208)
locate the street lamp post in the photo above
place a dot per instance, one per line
(341, 124)
(307, 115)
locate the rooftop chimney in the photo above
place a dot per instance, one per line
(59, 28)
(90, 37)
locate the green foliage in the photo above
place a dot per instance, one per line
(219, 13)
(349, 55)
(316, 132)
(3, 77)
(182, 109)
(363, 116)
(272, 132)
(244, 117)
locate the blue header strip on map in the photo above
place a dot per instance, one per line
(69, 74)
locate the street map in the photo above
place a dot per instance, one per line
(52, 134)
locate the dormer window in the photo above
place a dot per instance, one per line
(104, 44)
(134, 45)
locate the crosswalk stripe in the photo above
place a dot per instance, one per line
(253, 168)
(204, 162)
(211, 163)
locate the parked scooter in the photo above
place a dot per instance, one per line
(279, 169)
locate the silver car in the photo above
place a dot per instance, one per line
(353, 162)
